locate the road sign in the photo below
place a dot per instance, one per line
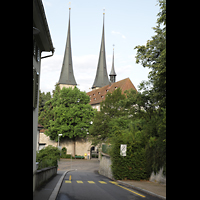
(123, 149)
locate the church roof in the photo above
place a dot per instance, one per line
(101, 78)
(67, 75)
(98, 95)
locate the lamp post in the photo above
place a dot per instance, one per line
(58, 139)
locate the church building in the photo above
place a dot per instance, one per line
(102, 84)
(100, 87)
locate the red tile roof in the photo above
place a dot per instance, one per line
(96, 96)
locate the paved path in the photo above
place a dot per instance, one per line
(79, 164)
(86, 183)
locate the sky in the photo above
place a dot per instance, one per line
(128, 23)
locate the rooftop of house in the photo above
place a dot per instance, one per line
(96, 96)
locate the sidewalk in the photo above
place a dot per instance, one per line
(149, 187)
(45, 191)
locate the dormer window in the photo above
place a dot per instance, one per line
(107, 90)
(102, 96)
(93, 94)
(115, 87)
(94, 98)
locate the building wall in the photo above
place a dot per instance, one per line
(66, 86)
(96, 106)
(36, 65)
(83, 145)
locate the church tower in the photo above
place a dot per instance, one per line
(67, 76)
(101, 78)
(112, 73)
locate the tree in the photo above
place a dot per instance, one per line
(43, 98)
(153, 56)
(69, 113)
(153, 97)
(110, 110)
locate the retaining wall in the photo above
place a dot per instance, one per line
(43, 175)
(158, 177)
(105, 165)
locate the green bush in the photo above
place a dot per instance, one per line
(133, 166)
(79, 157)
(48, 156)
(67, 156)
(63, 153)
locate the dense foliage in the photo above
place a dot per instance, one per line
(43, 98)
(48, 156)
(109, 109)
(68, 113)
(133, 165)
(153, 56)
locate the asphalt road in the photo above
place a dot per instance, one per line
(86, 184)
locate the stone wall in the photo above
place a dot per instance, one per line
(82, 145)
(158, 177)
(105, 166)
(41, 176)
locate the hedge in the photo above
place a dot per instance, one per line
(133, 165)
(48, 156)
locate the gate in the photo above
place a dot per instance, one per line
(93, 153)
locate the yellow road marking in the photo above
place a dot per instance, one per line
(113, 182)
(91, 182)
(67, 181)
(102, 182)
(126, 188)
(131, 191)
(79, 181)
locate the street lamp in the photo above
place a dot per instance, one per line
(58, 139)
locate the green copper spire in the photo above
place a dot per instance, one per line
(101, 78)
(67, 75)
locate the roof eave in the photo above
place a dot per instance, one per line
(40, 22)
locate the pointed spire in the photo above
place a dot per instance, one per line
(101, 78)
(112, 73)
(67, 75)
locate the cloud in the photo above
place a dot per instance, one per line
(118, 33)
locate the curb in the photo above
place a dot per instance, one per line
(57, 188)
(140, 189)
